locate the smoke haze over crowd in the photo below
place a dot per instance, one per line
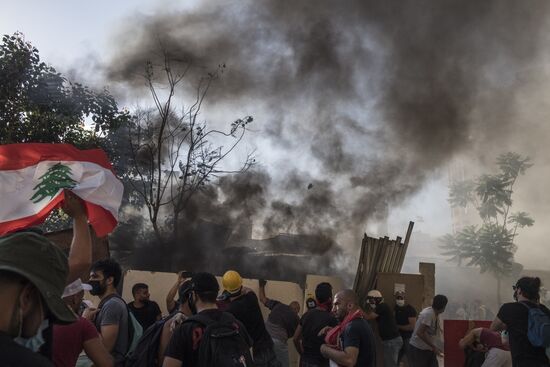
(364, 102)
(374, 95)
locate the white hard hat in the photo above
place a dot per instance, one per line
(374, 294)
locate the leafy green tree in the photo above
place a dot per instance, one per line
(489, 246)
(38, 104)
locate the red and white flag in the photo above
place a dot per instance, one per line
(34, 175)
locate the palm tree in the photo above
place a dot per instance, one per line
(520, 220)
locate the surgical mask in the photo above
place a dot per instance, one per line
(35, 342)
(97, 288)
(400, 302)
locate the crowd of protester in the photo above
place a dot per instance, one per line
(45, 321)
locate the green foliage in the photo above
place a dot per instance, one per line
(491, 194)
(495, 194)
(521, 219)
(494, 250)
(462, 193)
(512, 164)
(37, 104)
(491, 246)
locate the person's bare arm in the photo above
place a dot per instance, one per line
(97, 353)
(410, 326)
(109, 334)
(297, 340)
(170, 303)
(164, 340)
(423, 334)
(80, 254)
(346, 357)
(468, 339)
(498, 325)
(262, 296)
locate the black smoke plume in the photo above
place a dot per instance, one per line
(374, 95)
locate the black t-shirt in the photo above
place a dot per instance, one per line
(312, 322)
(246, 309)
(283, 316)
(146, 315)
(359, 334)
(185, 341)
(402, 315)
(386, 322)
(15, 355)
(515, 316)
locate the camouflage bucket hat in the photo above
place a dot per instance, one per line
(41, 262)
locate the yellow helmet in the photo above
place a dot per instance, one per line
(232, 281)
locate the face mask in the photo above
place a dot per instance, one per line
(97, 288)
(516, 295)
(400, 302)
(34, 343)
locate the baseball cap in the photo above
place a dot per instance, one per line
(75, 287)
(183, 291)
(37, 259)
(204, 282)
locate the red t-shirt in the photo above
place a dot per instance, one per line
(68, 341)
(491, 339)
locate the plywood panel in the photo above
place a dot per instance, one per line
(414, 288)
(160, 283)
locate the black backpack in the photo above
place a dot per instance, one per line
(147, 349)
(223, 343)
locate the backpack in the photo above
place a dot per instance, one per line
(538, 327)
(223, 343)
(135, 330)
(146, 352)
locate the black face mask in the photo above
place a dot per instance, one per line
(516, 295)
(98, 288)
(191, 304)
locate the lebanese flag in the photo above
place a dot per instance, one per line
(34, 175)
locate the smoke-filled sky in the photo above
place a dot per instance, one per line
(368, 100)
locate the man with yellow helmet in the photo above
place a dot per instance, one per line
(244, 305)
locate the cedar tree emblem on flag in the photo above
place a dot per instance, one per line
(57, 177)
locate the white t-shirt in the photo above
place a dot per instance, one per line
(431, 320)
